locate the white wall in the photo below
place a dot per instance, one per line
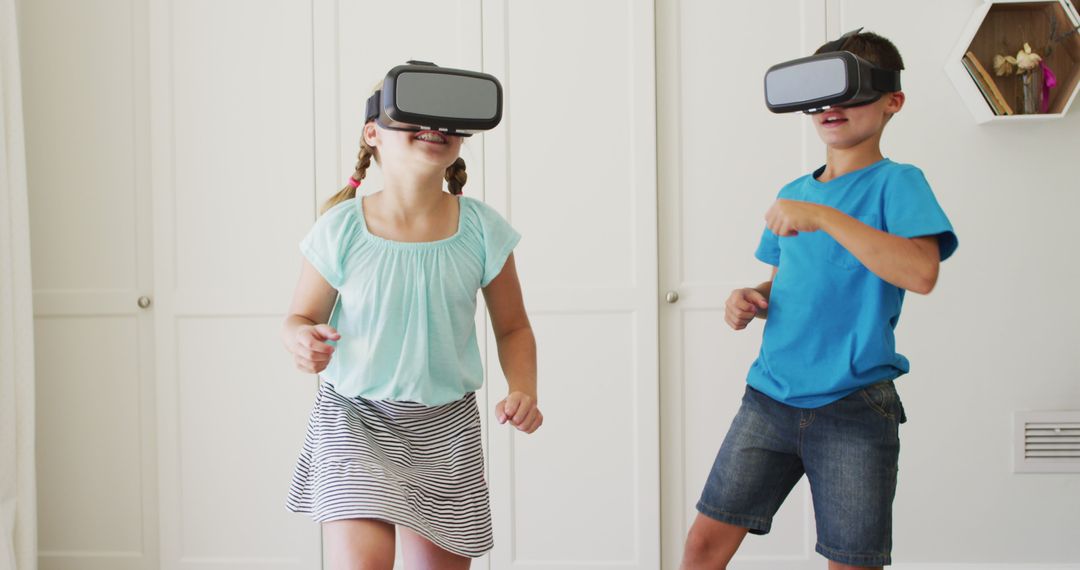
(999, 334)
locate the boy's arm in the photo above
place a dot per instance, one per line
(765, 289)
(908, 263)
(744, 305)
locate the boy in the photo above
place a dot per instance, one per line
(845, 243)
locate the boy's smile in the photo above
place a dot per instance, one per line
(831, 119)
(843, 128)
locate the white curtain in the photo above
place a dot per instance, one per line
(18, 509)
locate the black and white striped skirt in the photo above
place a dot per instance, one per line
(404, 463)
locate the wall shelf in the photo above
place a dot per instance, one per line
(1002, 27)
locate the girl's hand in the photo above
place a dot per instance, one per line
(520, 410)
(310, 351)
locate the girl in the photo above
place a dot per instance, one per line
(394, 436)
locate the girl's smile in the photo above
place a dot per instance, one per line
(433, 137)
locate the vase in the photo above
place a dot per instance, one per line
(1029, 99)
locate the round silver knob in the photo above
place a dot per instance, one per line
(144, 302)
(672, 296)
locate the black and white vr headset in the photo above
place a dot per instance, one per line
(831, 78)
(421, 96)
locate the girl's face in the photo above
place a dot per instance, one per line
(425, 149)
(844, 128)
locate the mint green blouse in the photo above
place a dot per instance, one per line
(406, 311)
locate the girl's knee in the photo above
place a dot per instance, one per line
(359, 561)
(358, 545)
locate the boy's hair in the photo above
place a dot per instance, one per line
(873, 48)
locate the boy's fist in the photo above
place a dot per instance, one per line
(787, 218)
(742, 306)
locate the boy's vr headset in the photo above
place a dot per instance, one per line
(423, 96)
(829, 79)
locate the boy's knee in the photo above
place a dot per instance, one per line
(703, 550)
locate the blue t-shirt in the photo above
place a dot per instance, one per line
(406, 311)
(830, 326)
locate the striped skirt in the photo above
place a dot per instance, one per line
(404, 463)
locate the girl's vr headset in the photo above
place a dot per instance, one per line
(422, 96)
(829, 79)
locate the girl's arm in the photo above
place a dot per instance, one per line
(305, 331)
(517, 349)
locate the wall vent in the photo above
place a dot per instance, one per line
(1047, 442)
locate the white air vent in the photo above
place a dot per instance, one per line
(1047, 442)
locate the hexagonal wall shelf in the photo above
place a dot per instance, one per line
(1002, 27)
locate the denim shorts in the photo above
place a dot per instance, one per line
(848, 450)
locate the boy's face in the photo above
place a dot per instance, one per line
(845, 128)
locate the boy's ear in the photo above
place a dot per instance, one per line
(895, 102)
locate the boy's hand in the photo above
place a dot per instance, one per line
(520, 410)
(787, 218)
(742, 306)
(309, 348)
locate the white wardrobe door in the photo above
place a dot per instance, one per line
(573, 168)
(85, 103)
(722, 159)
(233, 175)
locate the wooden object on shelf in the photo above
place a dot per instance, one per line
(986, 82)
(987, 95)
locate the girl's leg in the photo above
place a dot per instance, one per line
(358, 544)
(839, 566)
(711, 544)
(421, 554)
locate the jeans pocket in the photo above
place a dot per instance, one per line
(882, 398)
(839, 256)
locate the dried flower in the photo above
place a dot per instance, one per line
(1026, 59)
(1003, 64)
(1024, 62)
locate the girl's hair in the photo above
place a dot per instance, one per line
(455, 173)
(456, 176)
(363, 161)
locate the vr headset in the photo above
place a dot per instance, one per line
(829, 79)
(421, 96)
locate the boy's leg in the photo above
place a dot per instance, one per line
(710, 544)
(850, 451)
(839, 566)
(358, 543)
(755, 469)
